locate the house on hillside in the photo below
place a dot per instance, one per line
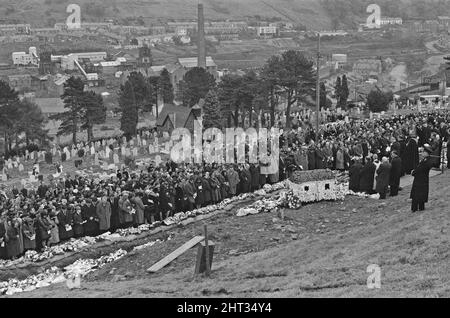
(173, 117)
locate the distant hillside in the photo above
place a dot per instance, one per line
(45, 12)
(314, 14)
(350, 12)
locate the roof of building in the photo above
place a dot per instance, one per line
(190, 62)
(50, 105)
(110, 64)
(177, 114)
(61, 80)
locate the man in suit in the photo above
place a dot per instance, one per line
(421, 183)
(355, 174)
(396, 172)
(367, 175)
(383, 176)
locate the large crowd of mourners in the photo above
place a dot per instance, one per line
(376, 153)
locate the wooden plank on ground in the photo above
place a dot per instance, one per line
(178, 252)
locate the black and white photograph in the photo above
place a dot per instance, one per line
(246, 151)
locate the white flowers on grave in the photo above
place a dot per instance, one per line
(55, 275)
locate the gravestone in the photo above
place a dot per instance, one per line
(135, 152)
(167, 147)
(116, 159)
(21, 168)
(158, 161)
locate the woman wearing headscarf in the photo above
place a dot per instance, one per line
(13, 232)
(103, 214)
(138, 217)
(2, 238)
(65, 225)
(28, 233)
(126, 211)
(78, 222)
(233, 180)
(214, 184)
(54, 229)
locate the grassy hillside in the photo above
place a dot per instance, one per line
(44, 12)
(321, 250)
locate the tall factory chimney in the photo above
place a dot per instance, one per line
(201, 43)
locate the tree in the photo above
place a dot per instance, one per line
(270, 79)
(72, 96)
(197, 83)
(211, 111)
(8, 112)
(344, 93)
(295, 77)
(142, 91)
(165, 88)
(129, 109)
(228, 97)
(324, 101)
(378, 101)
(94, 112)
(31, 122)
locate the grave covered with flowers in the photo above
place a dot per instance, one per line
(315, 186)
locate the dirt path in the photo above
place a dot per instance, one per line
(320, 250)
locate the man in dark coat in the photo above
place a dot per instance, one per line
(355, 175)
(2, 239)
(312, 156)
(396, 172)
(255, 170)
(244, 180)
(188, 190)
(65, 224)
(88, 213)
(420, 188)
(367, 175)
(402, 152)
(410, 157)
(383, 177)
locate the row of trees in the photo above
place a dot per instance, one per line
(19, 117)
(289, 77)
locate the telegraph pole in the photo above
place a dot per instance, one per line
(318, 89)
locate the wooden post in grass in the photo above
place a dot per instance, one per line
(208, 268)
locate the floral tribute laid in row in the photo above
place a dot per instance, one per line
(75, 245)
(55, 275)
